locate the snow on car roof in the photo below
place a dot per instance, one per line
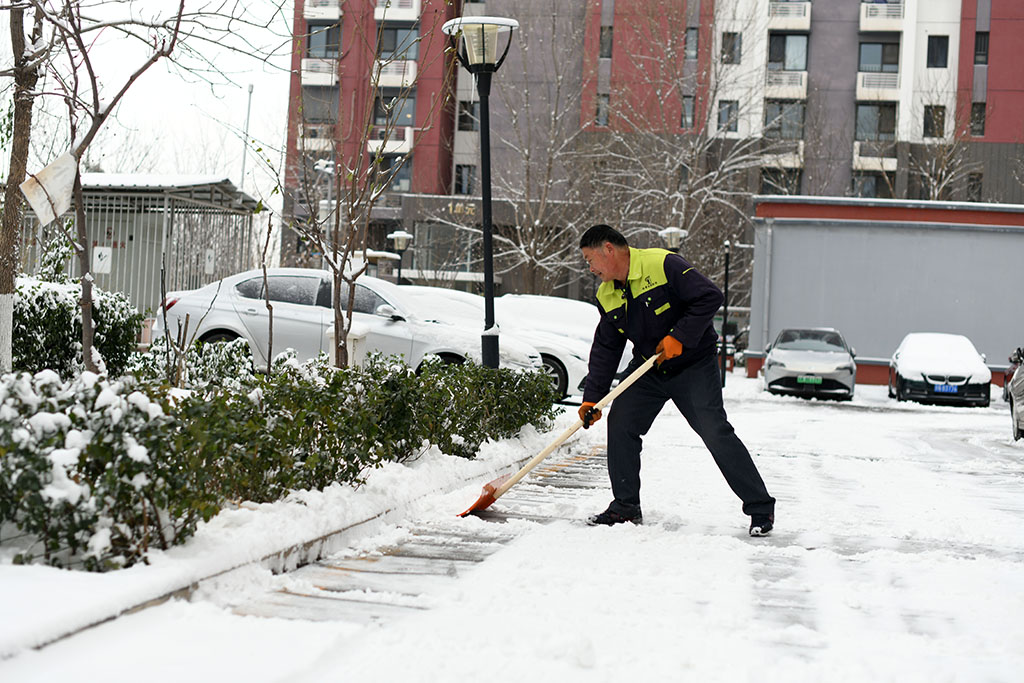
(937, 343)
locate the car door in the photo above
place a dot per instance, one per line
(385, 334)
(298, 321)
(382, 334)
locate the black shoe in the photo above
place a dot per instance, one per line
(610, 517)
(761, 525)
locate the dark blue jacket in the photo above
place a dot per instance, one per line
(663, 295)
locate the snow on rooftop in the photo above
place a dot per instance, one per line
(151, 180)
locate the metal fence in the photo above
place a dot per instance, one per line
(193, 234)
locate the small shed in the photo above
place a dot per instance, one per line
(188, 230)
(877, 269)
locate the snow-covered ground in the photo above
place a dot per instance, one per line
(898, 554)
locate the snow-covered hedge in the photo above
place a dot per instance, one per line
(95, 473)
(48, 328)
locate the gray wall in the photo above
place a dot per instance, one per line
(876, 282)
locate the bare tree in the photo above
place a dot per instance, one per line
(942, 164)
(69, 32)
(340, 187)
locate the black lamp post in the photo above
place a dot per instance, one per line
(401, 239)
(478, 53)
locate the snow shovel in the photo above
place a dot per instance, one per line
(497, 488)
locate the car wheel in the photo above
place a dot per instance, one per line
(899, 389)
(218, 336)
(559, 377)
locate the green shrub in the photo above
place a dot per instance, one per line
(48, 328)
(94, 473)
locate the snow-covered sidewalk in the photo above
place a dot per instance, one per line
(898, 555)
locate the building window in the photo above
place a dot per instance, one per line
(465, 179)
(690, 47)
(732, 48)
(606, 42)
(469, 115)
(974, 181)
(934, 121)
(876, 121)
(687, 117)
(787, 52)
(320, 105)
(601, 115)
(781, 180)
(784, 120)
(884, 57)
(398, 43)
(324, 41)
(873, 184)
(728, 115)
(978, 119)
(390, 109)
(938, 51)
(981, 47)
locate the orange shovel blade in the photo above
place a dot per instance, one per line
(487, 497)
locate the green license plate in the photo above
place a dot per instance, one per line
(809, 379)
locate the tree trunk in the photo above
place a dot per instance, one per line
(25, 77)
(84, 266)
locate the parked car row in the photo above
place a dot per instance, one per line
(926, 366)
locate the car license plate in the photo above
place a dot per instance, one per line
(945, 388)
(808, 379)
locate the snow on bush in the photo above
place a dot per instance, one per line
(94, 473)
(48, 328)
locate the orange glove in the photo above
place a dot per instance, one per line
(589, 415)
(669, 348)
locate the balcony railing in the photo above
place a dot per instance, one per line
(319, 71)
(786, 85)
(397, 10)
(397, 73)
(874, 155)
(876, 85)
(390, 139)
(789, 16)
(879, 16)
(320, 10)
(317, 137)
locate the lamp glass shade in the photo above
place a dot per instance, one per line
(401, 239)
(481, 43)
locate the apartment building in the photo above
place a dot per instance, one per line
(908, 99)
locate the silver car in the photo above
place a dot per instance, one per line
(811, 362)
(383, 316)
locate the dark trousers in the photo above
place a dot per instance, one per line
(697, 392)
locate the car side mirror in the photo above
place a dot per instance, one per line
(388, 311)
(983, 358)
(768, 348)
(853, 352)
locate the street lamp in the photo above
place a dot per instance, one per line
(478, 53)
(401, 239)
(673, 237)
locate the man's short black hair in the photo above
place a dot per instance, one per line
(596, 235)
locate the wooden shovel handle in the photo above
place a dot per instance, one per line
(623, 385)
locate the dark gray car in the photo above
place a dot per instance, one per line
(810, 362)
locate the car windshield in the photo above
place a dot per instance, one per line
(810, 340)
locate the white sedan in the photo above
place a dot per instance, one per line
(933, 367)
(303, 319)
(564, 357)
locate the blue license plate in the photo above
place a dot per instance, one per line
(945, 388)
